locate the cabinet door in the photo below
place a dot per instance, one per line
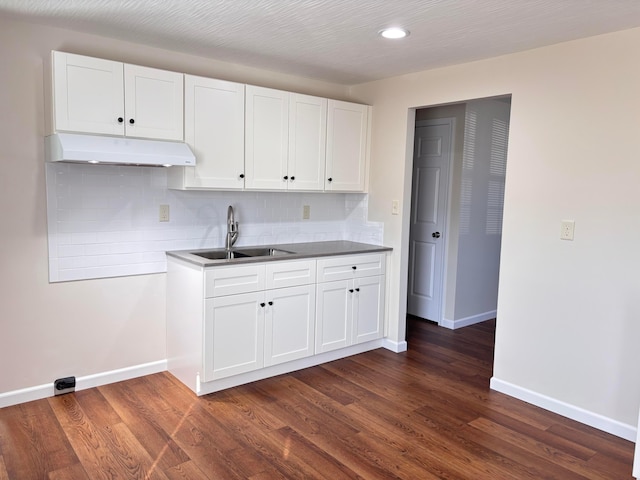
(289, 324)
(233, 335)
(88, 94)
(368, 309)
(154, 103)
(266, 138)
(347, 126)
(333, 316)
(214, 129)
(307, 142)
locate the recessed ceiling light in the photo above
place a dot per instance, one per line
(394, 32)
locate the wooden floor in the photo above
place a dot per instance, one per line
(424, 414)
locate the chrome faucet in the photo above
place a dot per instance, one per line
(232, 229)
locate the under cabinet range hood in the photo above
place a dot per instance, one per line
(80, 148)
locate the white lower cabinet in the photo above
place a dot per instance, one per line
(349, 312)
(368, 309)
(247, 331)
(228, 325)
(233, 335)
(289, 322)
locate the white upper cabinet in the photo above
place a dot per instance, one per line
(92, 95)
(307, 142)
(285, 140)
(214, 129)
(266, 138)
(347, 129)
(153, 103)
(88, 94)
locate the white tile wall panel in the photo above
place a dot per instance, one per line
(103, 220)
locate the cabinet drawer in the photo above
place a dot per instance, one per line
(352, 266)
(290, 274)
(232, 280)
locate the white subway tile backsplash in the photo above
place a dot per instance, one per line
(103, 220)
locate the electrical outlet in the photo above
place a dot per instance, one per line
(567, 228)
(164, 213)
(64, 385)
(395, 207)
(306, 212)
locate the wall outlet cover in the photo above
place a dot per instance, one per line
(163, 214)
(567, 229)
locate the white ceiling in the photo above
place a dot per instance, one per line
(336, 40)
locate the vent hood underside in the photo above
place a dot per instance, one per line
(79, 148)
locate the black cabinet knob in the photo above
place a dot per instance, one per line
(286, 177)
(270, 303)
(120, 119)
(242, 175)
(357, 289)
(351, 290)
(293, 178)
(354, 268)
(330, 179)
(262, 304)
(132, 121)
(435, 234)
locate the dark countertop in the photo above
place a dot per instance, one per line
(299, 251)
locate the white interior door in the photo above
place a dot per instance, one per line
(431, 161)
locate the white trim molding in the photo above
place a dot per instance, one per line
(82, 383)
(396, 347)
(465, 322)
(595, 420)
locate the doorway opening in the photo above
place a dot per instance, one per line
(457, 198)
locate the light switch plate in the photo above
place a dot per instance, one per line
(306, 212)
(395, 207)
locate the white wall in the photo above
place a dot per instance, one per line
(568, 315)
(80, 328)
(480, 211)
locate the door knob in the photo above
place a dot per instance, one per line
(435, 234)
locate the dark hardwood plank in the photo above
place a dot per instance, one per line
(4, 475)
(132, 405)
(75, 472)
(427, 413)
(104, 450)
(186, 471)
(32, 442)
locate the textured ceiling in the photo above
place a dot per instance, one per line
(336, 40)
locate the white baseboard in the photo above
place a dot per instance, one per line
(614, 427)
(82, 383)
(397, 347)
(465, 322)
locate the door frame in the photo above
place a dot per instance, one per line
(444, 270)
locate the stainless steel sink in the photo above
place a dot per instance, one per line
(220, 254)
(262, 252)
(241, 253)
